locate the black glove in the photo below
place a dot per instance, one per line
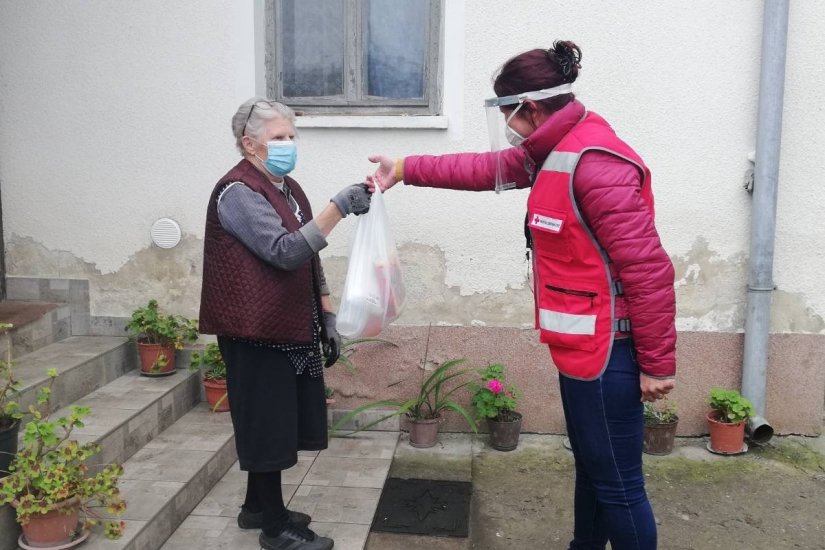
(353, 199)
(332, 344)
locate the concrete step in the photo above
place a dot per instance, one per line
(169, 476)
(127, 413)
(85, 363)
(36, 325)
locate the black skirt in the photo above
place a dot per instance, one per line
(275, 412)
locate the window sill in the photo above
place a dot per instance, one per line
(365, 121)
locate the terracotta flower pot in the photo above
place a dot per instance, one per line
(156, 359)
(725, 438)
(216, 393)
(659, 438)
(504, 435)
(424, 432)
(8, 447)
(56, 527)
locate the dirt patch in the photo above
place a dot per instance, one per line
(771, 498)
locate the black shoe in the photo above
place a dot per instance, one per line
(295, 537)
(255, 520)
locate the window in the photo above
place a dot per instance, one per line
(354, 56)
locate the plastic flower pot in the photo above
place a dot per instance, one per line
(424, 432)
(8, 447)
(216, 395)
(55, 528)
(504, 435)
(725, 438)
(156, 359)
(659, 437)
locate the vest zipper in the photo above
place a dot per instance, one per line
(572, 292)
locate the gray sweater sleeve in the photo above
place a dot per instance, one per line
(248, 216)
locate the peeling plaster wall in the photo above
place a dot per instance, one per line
(112, 115)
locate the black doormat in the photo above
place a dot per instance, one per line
(424, 507)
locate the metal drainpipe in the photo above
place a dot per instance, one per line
(763, 214)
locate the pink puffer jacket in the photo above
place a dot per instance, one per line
(607, 192)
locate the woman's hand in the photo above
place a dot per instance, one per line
(655, 388)
(384, 176)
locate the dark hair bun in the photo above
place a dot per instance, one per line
(568, 56)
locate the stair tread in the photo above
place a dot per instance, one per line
(160, 473)
(64, 355)
(22, 313)
(119, 401)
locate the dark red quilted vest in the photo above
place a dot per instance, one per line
(244, 297)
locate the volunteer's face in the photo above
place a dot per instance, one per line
(521, 123)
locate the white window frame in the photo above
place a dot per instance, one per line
(355, 78)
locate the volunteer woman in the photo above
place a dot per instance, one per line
(604, 293)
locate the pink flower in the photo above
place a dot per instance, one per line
(495, 386)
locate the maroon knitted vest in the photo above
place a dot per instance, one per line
(244, 297)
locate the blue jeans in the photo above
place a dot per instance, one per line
(606, 429)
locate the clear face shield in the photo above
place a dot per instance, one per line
(502, 136)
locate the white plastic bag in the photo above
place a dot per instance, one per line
(374, 293)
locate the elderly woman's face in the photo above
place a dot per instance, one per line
(278, 129)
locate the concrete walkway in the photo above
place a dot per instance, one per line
(769, 498)
(338, 487)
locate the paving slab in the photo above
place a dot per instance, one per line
(363, 445)
(348, 472)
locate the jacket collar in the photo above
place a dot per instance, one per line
(540, 143)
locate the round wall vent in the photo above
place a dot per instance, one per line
(166, 233)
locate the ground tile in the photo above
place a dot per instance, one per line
(347, 536)
(363, 445)
(336, 504)
(211, 533)
(226, 497)
(348, 472)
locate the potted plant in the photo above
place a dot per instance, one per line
(10, 413)
(726, 421)
(496, 402)
(214, 376)
(660, 428)
(329, 394)
(55, 495)
(158, 335)
(424, 410)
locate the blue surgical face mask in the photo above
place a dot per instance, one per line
(281, 157)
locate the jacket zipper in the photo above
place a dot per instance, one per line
(572, 292)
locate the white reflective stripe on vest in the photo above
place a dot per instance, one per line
(561, 162)
(567, 323)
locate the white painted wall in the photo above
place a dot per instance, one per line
(114, 114)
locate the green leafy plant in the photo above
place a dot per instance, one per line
(660, 414)
(434, 396)
(150, 326)
(492, 398)
(212, 360)
(50, 468)
(349, 347)
(730, 406)
(10, 411)
(329, 392)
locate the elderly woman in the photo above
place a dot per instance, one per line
(265, 297)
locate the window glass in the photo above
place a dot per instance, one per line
(313, 48)
(397, 48)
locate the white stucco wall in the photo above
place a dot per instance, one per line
(115, 114)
